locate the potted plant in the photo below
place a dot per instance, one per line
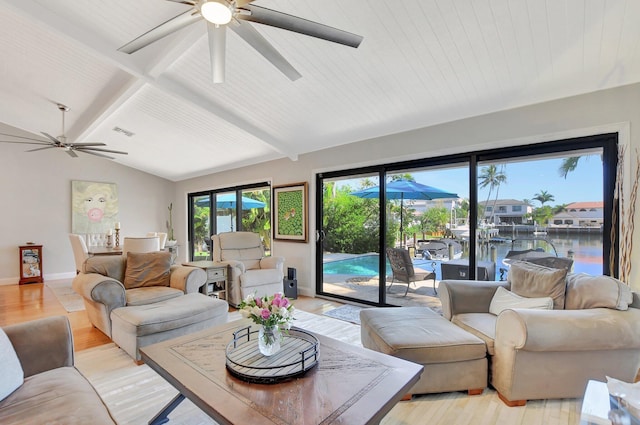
(170, 237)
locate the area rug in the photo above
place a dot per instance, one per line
(69, 299)
(348, 313)
(134, 394)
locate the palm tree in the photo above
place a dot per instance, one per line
(568, 165)
(543, 197)
(490, 176)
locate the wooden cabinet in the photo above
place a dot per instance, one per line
(216, 285)
(30, 264)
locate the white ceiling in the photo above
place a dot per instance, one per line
(421, 63)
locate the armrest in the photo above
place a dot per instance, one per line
(187, 279)
(568, 330)
(272, 263)
(467, 296)
(42, 344)
(101, 289)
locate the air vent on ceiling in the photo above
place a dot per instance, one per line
(123, 131)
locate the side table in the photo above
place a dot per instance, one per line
(216, 285)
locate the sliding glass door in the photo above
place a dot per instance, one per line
(463, 217)
(349, 238)
(244, 208)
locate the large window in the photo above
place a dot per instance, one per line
(242, 208)
(500, 201)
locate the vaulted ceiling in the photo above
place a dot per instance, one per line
(421, 63)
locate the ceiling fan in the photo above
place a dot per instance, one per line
(220, 14)
(61, 142)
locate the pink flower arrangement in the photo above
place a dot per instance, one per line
(268, 310)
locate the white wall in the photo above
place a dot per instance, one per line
(35, 194)
(605, 111)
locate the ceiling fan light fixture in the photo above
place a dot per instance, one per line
(216, 12)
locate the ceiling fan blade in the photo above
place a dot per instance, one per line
(217, 46)
(187, 2)
(53, 139)
(258, 42)
(82, 145)
(40, 142)
(262, 15)
(96, 154)
(81, 149)
(41, 149)
(169, 27)
(27, 143)
(71, 153)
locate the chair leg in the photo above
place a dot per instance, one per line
(434, 285)
(407, 291)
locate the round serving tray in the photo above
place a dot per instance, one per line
(299, 352)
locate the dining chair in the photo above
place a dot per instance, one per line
(80, 250)
(142, 244)
(161, 235)
(403, 270)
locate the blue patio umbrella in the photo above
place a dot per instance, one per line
(405, 189)
(228, 200)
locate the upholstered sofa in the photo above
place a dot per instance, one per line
(102, 285)
(592, 330)
(250, 271)
(53, 391)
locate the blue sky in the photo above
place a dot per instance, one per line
(525, 179)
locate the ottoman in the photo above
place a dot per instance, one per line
(133, 327)
(453, 359)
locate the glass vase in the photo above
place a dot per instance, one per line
(269, 339)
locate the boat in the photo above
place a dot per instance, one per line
(438, 249)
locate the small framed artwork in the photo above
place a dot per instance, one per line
(290, 212)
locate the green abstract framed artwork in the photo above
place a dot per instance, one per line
(290, 212)
(94, 207)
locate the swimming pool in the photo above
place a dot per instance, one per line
(364, 265)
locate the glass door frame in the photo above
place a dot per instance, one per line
(213, 225)
(608, 142)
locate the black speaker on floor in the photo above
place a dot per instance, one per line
(290, 288)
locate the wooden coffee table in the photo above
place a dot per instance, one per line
(350, 385)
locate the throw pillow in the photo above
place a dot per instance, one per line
(587, 291)
(10, 367)
(532, 280)
(505, 299)
(147, 269)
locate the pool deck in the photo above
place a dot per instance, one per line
(366, 288)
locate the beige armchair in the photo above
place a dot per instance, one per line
(250, 271)
(546, 354)
(102, 282)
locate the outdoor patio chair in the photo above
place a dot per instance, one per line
(403, 270)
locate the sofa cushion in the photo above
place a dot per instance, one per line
(260, 277)
(107, 265)
(10, 367)
(587, 291)
(505, 299)
(532, 280)
(57, 396)
(151, 294)
(482, 325)
(147, 269)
